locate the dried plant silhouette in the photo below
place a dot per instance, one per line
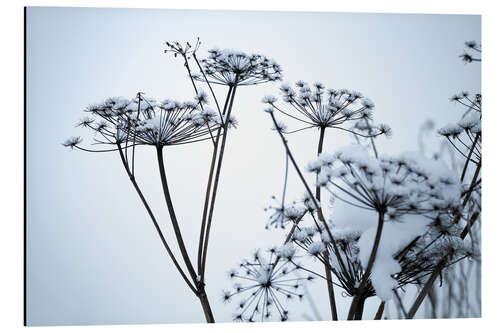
(423, 210)
(126, 125)
(423, 214)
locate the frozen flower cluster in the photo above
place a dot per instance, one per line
(409, 251)
(327, 108)
(340, 255)
(280, 214)
(473, 52)
(72, 142)
(124, 124)
(412, 250)
(425, 210)
(394, 186)
(264, 283)
(418, 200)
(143, 121)
(465, 135)
(230, 67)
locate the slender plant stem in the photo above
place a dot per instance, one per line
(207, 82)
(304, 182)
(317, 206)
(380, 311)
(329, 283)
(216, 180)
(310, 193)
(358, 314)
(200, 288)
(469, 156)
(328, 270)
(171, 211)
(133, 146)
(469, 193)
(371, 140)
(209, 186)
(425, 290)
(186, 64)
(373, 254)
(204, 228)
(320, 150)
(207, 310)
(151, 215)
(358, 298)
(400, 303)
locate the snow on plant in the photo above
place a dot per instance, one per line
(424, 209)
(280, 215)
(264, 283)
(473, 53)
(391, 186)
(409, 251)
(142, 121)
(125, 125)
(320, 108)
(394, 188)
(461, 293)
(229, 67)
(343, 110)
(465, 135)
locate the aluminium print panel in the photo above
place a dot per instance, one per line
(190, 166)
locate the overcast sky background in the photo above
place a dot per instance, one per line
(93, 254)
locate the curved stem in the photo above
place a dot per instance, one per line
(151, 215)
(359, 297)
(308, 189)
(209, 186)
(373, 255)
(186, 64)
(328, 270)
(216, 181)
(207, 82)
(171, 211)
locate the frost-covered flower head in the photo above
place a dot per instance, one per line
(72, 142)
(280, 214)
(341, 256)
(230, 67)
(409, 251)
(317, 107)
(466, 134)
(407, 184)
(473, 52)
(264, 284)
(419, 255)
(143, 121)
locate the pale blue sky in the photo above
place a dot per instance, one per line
(93, 256)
